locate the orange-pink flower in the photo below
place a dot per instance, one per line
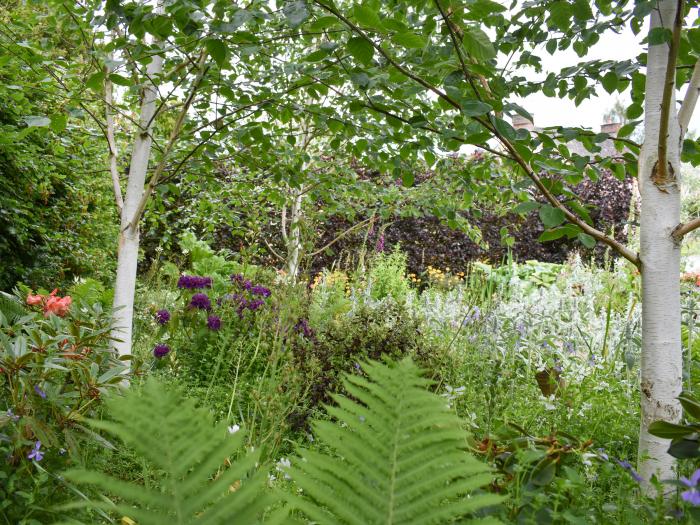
(34, 300)
(52, 303)
(57, 305)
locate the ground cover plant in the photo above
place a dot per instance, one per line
(314, 261)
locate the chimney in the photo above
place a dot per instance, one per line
(520, 122)
(611, 128)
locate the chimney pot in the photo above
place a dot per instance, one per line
(611, 128)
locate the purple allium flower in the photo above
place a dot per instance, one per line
(161, 350)
(201, 301)
(255, 304)
(36, 454)
(162, 316)
(214, 322)
(303, 328)
(628, 467)
(692, 495)
(193, 282)
(379, 247)
(260, 290)
(39, 392)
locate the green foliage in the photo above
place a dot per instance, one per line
(387, 276)
(53, 372)
(398, 456)
(191, 453)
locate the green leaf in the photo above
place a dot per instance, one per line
(551, 235)
(586, 240)
(609, 82)
(408, 178)
(217, 50)
(361, 50)
(690, 405)
(35, 121)
(551, 216)
(119, 80)
(409, 40)
(58, 122)
(664, 429)
(477, 44)
(526, 207)
(367, 17)
(95, 81)
(475, 108)
(659, 35)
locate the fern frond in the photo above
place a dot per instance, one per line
(183, 442)
(398, 457)
(11, 307)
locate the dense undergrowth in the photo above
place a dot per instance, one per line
(537, 362)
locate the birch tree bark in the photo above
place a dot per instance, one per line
(128, 250)
(294, 235)
(661, 369)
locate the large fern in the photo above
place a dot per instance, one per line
(183, 442)
(10, 307)
(398, 457)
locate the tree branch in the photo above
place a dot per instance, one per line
(690, 100)
(660, 177)
(683, 229)
(111, 143)
(341, 235)
(175, 133)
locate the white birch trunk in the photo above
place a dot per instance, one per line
(294, 236)
(128, 250)
(661, 374)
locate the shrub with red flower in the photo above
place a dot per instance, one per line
(52, 303)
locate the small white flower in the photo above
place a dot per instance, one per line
(233, 429)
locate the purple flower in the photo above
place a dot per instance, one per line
(247, 285)
(692, 495)
(628, 467)
(255, 304)
(303, 328)
(569, 347)
(201, 301)
(260, 290)
(214, 322)
(237, 278)
(162, 316)
(603, 455)
(161, 350)
(36, 454)
(39, 392)
(379, 247)
(10, 414)
(193, 282)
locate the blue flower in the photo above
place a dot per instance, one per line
(36, 454)
(628, 467)
(692, 495)
(39, 392)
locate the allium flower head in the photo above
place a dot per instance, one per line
(162, 316)
(161, 350)
(193, 282)
(214, 322)
(201, 301)
(260, 290)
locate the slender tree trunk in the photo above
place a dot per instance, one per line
(661, 374)
(294, 237)
(128, 250)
